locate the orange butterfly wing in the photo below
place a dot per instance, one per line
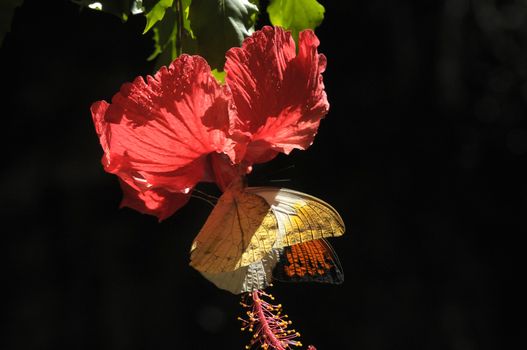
(311, 261)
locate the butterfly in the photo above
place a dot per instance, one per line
(255, 235)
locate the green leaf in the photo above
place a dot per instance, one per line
(219, 75)
(254, 17)
(166, 35)
(157, 13)
(7, 10)
(185, 5)
(296, 15)
(120, 8)
(219, 25)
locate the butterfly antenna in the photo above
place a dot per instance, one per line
(206, 200)
(281, 170)
(280, 180)
(276, 172)
(206, 195)
(210, 199)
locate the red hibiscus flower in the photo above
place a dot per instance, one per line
(163, 136)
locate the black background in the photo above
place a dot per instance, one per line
(423, 153)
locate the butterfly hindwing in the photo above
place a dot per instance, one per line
(312, 261)
(256, 276)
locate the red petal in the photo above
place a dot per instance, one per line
(158, 202)
(156, 135)
(279, 95)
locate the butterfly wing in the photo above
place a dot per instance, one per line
(311, 261)
(256, 276)
(261, 233)
(240, 231)
(300, 217)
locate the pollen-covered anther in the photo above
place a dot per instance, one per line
(268, 326)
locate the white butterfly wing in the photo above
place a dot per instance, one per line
(255, 276)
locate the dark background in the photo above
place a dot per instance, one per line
(423, 153)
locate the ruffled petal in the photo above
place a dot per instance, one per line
(156, 135)
(158, 202)
(279, 95)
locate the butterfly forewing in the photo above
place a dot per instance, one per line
(300, 217)
(240, 230)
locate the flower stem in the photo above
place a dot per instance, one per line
(179, 40)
